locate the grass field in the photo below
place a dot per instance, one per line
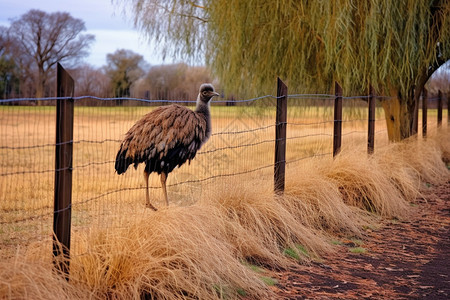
(242, 141)
(235, 218)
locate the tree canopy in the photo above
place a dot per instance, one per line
(394, 45)
(124, 67)
(387, 43)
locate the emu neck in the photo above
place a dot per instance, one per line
(203, 109)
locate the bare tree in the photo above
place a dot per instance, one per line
(91, 81)
(175, 81)
(43, 39)
(3, 40)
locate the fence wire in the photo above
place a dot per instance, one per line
(242, 143)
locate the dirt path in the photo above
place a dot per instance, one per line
(403, 260)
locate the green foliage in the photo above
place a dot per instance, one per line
(9, 77)
(253, 267)
(241, 292)
(124, 67)
(226, 292)
(358, 250)
(295, 253)
(387, 43)
(177, 25)
(269, 280)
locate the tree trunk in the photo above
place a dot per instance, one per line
(400, 117)
(402, 112)
(39, 90)
(41, 83)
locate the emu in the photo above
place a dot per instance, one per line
(166, 138)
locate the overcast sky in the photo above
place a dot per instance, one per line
(106, 21)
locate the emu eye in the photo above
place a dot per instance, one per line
(205, 93)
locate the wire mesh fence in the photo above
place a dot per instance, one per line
(242, 144)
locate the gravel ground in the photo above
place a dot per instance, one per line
(408, 259)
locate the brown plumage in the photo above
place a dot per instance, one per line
(166, 138)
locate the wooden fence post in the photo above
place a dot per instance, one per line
(280, 137)
(424, 112)
(439, 116)
(337, 136)
(63, 170)
(371, 129)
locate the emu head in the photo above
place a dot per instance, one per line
(206, 92)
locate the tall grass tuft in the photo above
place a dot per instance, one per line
(177, 253)
(260, 224)
(426, 158)
(363, 184)
(412, 162)
(25, 279)
(397, 167)
(442, 139)
(317, 202)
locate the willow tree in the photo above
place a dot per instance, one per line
(394, 45)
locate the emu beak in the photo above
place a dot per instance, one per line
(215, 94)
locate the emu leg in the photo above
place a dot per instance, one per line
(147, 196)
(163, 184)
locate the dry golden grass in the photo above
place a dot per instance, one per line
(317, 201)
(414, 162)
(443, 142)
(363, 184)
(201, 248)
(261, 225)
(25, 279)
(199, 251)
(425, 157)
(176, 253)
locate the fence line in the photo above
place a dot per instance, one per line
(252, 132)
(199, 153)
(292, 96)
(213, 134)
(205, 152)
